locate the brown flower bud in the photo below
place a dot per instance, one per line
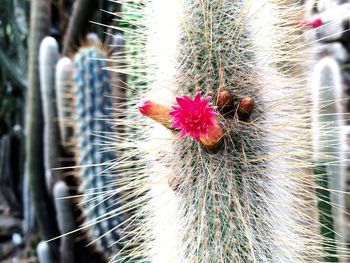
(245, 108)
(224, 99)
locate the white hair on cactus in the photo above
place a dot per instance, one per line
(253, 200)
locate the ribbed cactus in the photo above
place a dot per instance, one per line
(39, 27)
(64, 97)
(48, 57)
(329, 140)
(93, 105)
(243, 189)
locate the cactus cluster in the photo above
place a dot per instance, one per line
(76, 103)
(235, 161)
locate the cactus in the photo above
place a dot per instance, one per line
(48, 57)
(241, 190)
(92, 106)
(64, 97)
(8, 187)
(329, 139)
(82, 12)
(44, 253)
(39, 26)
(92, 39)
(65, 221)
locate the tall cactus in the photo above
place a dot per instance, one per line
(39, 26)
(92, 106)
(329, 140)
(48, 57)
(241, 190)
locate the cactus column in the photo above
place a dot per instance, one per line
(94, 152)
(48, 57)
(252, 199)
(329, 138)
(39, 27)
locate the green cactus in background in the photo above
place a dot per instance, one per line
(328, 142)
(48, 57)
(252, 198)
(92, 108)
(40, 22)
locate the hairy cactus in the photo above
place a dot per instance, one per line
(242, 189)
(329, 140)
(48, 57)
(64, 97)
(92, 106)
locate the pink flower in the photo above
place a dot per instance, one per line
(314, 23)
(193, 117)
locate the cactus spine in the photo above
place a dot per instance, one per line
(48, 57)
(93, 105)
(254, 199)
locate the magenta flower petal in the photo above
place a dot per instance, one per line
(193, 116)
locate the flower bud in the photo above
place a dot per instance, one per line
(224, 99)
(245, 108)
(314, 23)
(156, 112)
